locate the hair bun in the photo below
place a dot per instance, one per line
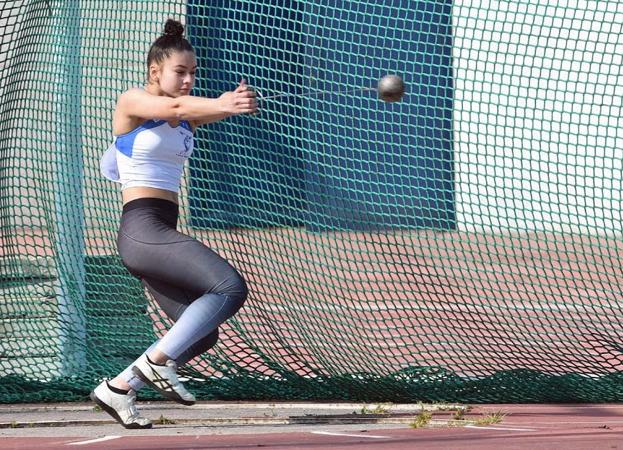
(173, 28)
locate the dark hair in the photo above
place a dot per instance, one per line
(172, 40)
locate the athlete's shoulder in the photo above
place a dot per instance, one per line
(132, 93)
(137, 103)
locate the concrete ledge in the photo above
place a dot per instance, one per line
(218, 414)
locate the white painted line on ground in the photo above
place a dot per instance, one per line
(476, 427)
(93, 441)
(371, 436)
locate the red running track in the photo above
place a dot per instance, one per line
(567, 427)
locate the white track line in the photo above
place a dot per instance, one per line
(476, 427)
(371, 436)
(93, 441)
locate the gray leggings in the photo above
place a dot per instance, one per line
(177, 270)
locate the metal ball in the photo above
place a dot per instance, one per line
(391, 88)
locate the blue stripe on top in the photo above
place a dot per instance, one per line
(125, 142)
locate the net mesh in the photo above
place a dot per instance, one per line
(460, 245)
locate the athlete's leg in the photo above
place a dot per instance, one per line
(178, 260)
(146, 241)
(173, 301)
(152, 249)
(194, 268)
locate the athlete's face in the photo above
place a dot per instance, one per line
(176, 75)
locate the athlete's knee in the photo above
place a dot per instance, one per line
(236, 290)
(241, 292)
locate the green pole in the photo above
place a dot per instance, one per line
(68, 201)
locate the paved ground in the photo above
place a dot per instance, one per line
(216, 425)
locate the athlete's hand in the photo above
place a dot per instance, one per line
(239, 101)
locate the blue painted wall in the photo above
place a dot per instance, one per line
(246, 171)
(330, 162)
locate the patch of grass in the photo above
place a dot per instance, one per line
(97, 408)
(379, 409)
(459, 414)
(491, 419)
(164, 421)
(442, 406)
(421, 420)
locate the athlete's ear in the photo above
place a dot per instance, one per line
(154, 71)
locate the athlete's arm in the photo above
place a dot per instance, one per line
(138, 103)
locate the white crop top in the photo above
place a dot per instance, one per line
(151, 155)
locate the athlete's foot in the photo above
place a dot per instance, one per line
(163, 378)
(120, 406)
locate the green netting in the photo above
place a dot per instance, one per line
(461, 245)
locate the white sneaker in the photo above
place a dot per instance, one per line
(164, 380)
(121, 407)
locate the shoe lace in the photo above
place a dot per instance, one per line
(172, 374)
(176, 384)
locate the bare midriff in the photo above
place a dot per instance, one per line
(134, 193)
